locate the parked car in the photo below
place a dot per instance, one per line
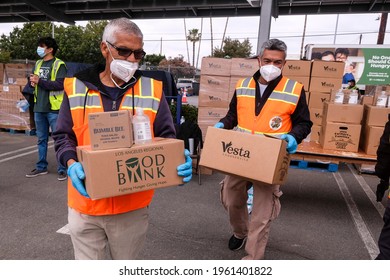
(187, 83)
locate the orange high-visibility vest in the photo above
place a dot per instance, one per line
(83, 101)
(274, 118)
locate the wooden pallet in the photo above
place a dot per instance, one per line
(315, 165)
(18, 130)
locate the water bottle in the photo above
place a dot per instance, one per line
(339, 98)
(182, 119)
(382, 99)
(141, 127)
(249, 202)
(353, 97)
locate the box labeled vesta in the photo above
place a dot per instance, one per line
(254, 157)
(122, 171)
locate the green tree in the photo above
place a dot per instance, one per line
(76, 43)
(153, 59)
(234, 48)
(92, 35)
(5, 57)
(177, 66)
(193, 36)
(22, 42)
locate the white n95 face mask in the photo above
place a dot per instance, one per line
(123, 69)
(270, 72)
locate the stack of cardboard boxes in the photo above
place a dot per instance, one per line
(217, 84)
(115, 166)
(374, 120)
(10, 115)
(13, 79)
(341, 126)
(325, 76)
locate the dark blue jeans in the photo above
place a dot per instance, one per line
(44, 121)
(384, 238)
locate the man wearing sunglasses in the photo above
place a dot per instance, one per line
(118, 223)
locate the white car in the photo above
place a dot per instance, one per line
(185, 83)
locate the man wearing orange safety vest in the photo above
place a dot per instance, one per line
(117, 223)
(266, 103)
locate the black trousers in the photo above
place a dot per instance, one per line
(384, 238)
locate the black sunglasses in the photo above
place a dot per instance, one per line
(138, 54)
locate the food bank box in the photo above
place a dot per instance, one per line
(340, 136)
(254, 157)
(122, 171)
(109, 130)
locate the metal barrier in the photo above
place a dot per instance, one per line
(178, 106)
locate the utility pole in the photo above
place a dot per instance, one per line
(335, 31)
(211, 32)
(303, 36)
(382, 29)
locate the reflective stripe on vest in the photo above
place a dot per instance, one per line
(84, 101)
(55, 96)
(274, 118)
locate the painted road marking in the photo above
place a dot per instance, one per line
(366, 188)
(64, 230)
(361, 226)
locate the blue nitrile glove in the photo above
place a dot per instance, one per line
(77, 175)
(219, 125)
(185, 169)
(291, 143)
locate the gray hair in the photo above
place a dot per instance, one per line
(120, 25)
(274, 45)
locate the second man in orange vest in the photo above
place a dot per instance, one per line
(266, 103)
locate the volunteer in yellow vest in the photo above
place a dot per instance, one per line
(266, 103)
(48, 83)
(118, 223)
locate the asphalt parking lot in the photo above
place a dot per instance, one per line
(325, 215)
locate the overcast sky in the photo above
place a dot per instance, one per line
(168, 35)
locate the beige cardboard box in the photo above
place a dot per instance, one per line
(328, 69)
(369, 139)
(304, 80)
(317, 99)
(110, 130)
(367, 99)
(209, 116)
(216, 66)
(214, 99)
(316, 115)
(375, 116)
(340, 136)
(244, 67)
(297, 68)
(344, 113)
(233, 83)
(244, 155)
(323, 84)
(214, 83)
(122, 171)
(315, 133)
